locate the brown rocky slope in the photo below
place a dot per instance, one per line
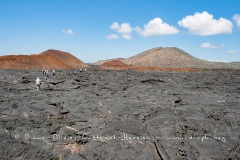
(50, 59)
(107, 60)
(172, 57)
(166, 57)
(65, 57)
(119, 65)
(114, 63)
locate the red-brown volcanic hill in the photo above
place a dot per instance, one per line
(107, 60)
(39, 61)
(114, 63)
(65, 57)
(30, 62)
(119, 65)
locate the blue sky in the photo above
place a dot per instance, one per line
(93, 30)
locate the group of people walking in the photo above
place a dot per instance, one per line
(75, 72)
(46, 74)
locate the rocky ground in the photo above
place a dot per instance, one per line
(105, 114)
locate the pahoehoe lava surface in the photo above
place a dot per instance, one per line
(105, 114)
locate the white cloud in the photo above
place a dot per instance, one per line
(127, 36)
(203, 24)
(156, 27)
(208, 45)
(124, 28)
(218, 61)
(68, 31)
(231, 51)
(112, 36)
(236, 18)
(115, 26)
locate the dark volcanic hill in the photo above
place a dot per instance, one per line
(50, 59)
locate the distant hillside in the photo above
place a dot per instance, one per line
(50, 59)
(107, 60)
(114, 63)
(119, 65)
(174, 57)
(65, 57)
(166, 57)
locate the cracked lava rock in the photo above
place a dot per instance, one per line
(107, 114)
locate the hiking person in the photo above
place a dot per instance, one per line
(80, 70)
(38, 83)
(47, 73)
(43, 72)
(53, 73)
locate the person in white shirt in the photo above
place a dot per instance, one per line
(53, 73)
(38, 83)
